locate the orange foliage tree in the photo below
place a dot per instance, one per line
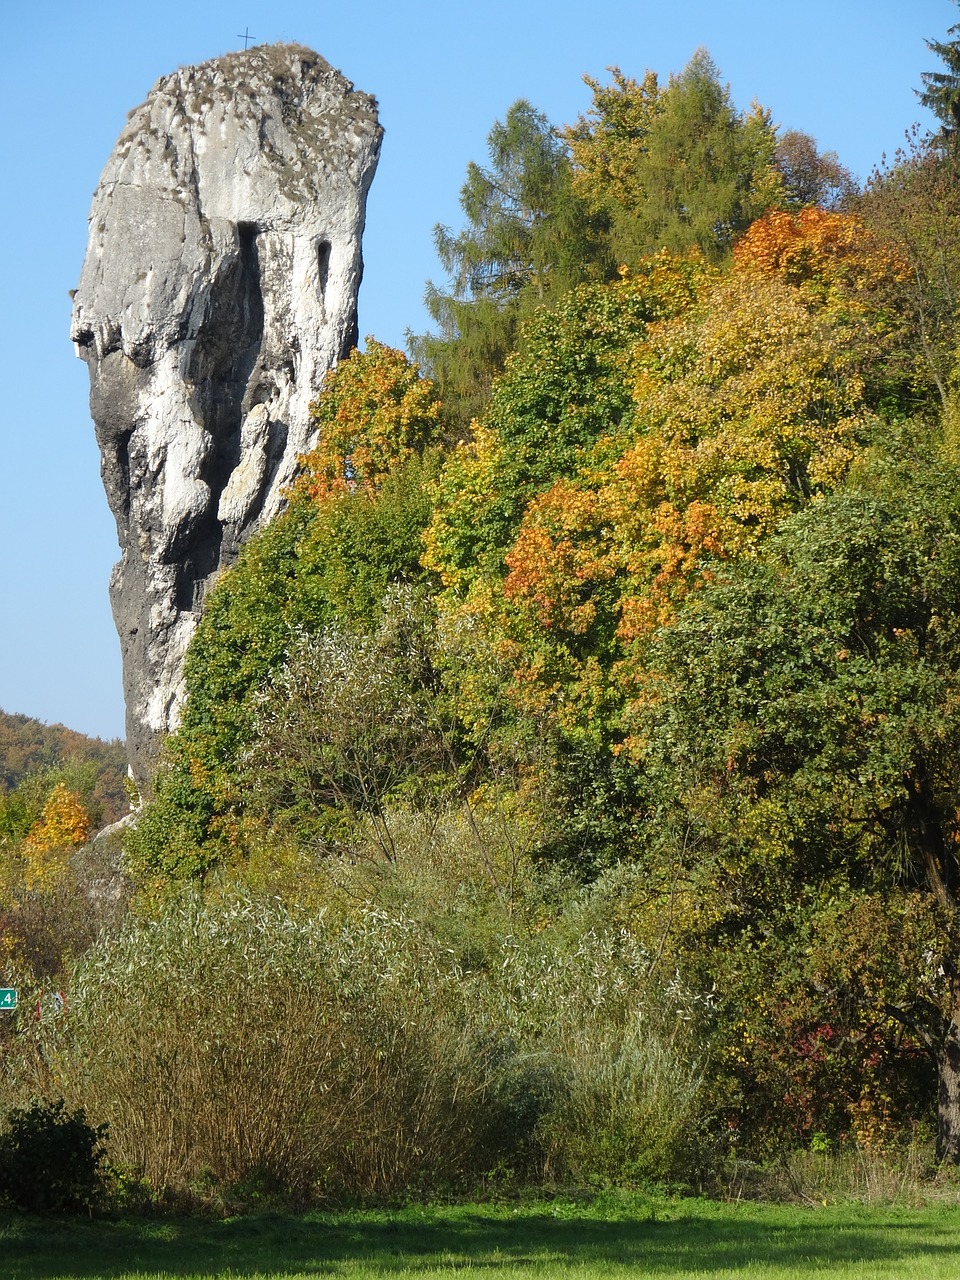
(853, 274)
(818, 246)
(743, 411)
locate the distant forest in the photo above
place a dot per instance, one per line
(29, 747)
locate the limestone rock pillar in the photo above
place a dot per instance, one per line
(219, 285)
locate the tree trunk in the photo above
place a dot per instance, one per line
(948, 1107)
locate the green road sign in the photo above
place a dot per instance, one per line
(8, 998)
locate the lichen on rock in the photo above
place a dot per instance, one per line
(219, 285)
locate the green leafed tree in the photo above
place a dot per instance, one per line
(799, 726)
(351, 722)
(675, 168)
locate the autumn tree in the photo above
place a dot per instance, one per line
(565, 389)
(375, 411)
(741, 414)
(677, 167)
(744, 406)
(650, 430)
(607, 142)
(63, 826)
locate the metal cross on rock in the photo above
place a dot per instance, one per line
(246, 37)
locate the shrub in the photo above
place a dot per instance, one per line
(241, 1039)
(622, 1049)
(42, 926)
(240, 1042)
(50, 1159)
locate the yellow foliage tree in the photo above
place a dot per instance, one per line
(62, 826)
(374, 411)
(606, 142)
(852, 275)
(745, 409)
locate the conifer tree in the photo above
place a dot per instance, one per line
(528, 238)
(941, 91)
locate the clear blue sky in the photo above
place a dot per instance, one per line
(842, 70)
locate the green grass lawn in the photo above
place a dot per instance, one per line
(615, 1236)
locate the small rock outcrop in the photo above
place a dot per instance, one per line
(219, 285)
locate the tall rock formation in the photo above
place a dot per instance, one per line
(219, 285)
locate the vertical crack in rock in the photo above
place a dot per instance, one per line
(219, 285)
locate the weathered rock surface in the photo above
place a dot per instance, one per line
(219, 285)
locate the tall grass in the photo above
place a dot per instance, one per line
(622, 1049)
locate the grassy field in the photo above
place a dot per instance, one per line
(608, 1237)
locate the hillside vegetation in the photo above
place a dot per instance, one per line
(29, 746)
(567, 789)
(57, 788)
